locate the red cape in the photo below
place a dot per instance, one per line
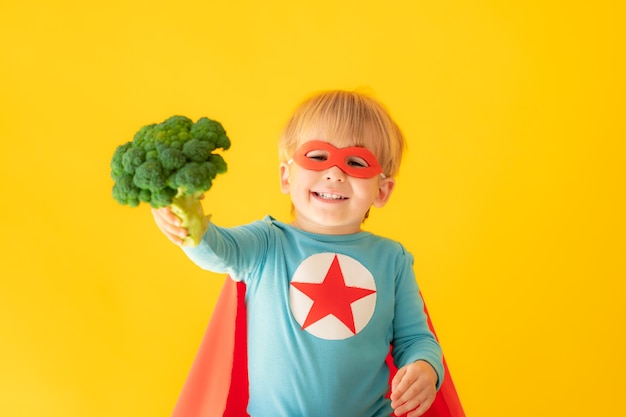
(217, 384)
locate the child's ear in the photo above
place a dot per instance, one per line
(284, 177)
(385, 188)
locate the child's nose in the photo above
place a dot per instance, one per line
(334, 173)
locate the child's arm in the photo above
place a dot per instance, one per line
(169, 224)
(234, 251)
(413, 388)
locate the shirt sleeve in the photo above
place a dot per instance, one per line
(236, 251)
(412, 339)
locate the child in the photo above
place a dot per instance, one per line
(325, 299)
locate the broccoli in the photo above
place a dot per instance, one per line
(171, 164)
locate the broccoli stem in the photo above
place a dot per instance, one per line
(189, 209)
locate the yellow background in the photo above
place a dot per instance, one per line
(511, 196)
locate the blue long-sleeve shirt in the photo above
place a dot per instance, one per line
(322, 311)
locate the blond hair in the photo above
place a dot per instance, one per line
(345, 118)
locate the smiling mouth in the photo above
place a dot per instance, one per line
(329, 196)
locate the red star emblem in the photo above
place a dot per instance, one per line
(332, 297)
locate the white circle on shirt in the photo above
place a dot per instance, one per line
(332, 296)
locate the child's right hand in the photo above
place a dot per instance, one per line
(169, 224)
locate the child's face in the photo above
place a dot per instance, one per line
(332, 189)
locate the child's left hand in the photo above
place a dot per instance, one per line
(413, 388)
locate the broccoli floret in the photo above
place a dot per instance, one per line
(125, 191)
(198, 150)
(218, 162)
(195, 177)
(133, 158)
(205, 129)
(150, 176)
(172, 159)
(171, 164)
(117, 168)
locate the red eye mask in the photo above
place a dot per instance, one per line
(355, 161)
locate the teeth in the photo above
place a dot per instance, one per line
(328, 196)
